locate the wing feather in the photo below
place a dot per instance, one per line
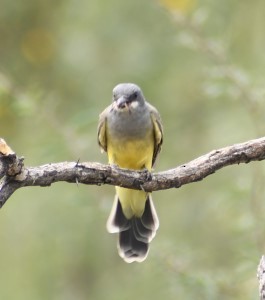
(102, 136)
(158, 131)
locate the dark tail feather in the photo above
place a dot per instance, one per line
(134, 234)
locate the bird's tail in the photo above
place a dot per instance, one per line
(136, 233)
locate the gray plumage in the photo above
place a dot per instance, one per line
(131, 118)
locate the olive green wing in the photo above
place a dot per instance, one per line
(102, 126)
(158, 131)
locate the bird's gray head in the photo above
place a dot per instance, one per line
(128, 96)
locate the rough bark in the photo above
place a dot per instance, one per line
(261, 277)
(15, 174)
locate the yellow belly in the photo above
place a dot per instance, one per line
(136, 155)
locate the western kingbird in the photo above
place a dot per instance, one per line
(130, 131)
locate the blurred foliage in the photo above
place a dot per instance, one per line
(201, 63)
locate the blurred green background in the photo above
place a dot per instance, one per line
(201, 63)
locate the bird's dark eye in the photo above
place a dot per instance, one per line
(133, 96)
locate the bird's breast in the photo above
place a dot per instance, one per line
(131, 153)
(130, 139)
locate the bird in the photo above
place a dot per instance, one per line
(130, 131)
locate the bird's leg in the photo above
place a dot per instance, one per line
(148, 176)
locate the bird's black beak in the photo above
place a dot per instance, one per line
(122, 102)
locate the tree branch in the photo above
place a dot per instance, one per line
(261, 277)
(15, 175)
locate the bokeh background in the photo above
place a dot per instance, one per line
(201, 63)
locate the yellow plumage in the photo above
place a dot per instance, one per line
(131, 133)
(136, 155)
